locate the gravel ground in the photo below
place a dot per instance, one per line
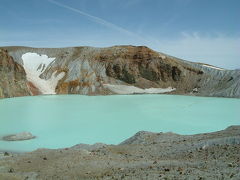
(146, 155)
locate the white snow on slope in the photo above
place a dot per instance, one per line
(213, 67)
(124, 89)
(34, 65)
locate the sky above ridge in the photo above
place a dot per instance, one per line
(205, 31)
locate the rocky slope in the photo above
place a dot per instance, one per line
(12, 77)
(146, 155)
(121, 70)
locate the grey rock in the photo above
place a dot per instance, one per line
(19, 136)
(87, 69)
(146, 155)
(89, 147)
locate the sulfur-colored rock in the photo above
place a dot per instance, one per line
(94, 71)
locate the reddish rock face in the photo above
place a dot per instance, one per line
(133, 65)
(131, 53)
(33, 89)
(87, 70)
(13, 77)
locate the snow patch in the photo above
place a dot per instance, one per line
(213, 67)
(124, 89)
(195, 90)
(34, 65)
(36, 62)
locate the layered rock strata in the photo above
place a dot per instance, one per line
(126, 70)
(12, 77)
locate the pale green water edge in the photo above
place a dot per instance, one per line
(65, 120)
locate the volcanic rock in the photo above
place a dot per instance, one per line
(12, 77)
(122, 70)
(19, 136)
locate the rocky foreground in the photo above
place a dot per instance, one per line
(146, 155)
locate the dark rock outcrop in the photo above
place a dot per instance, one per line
(12, 77)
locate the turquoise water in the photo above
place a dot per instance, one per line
(65, 120)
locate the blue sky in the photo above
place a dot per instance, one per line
(196, 30)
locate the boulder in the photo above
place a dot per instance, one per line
(19, 136)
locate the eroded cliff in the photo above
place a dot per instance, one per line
(12, 77)
(125, 70)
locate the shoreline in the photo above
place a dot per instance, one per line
(145, 155)
(135, 94)
(107, 144)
